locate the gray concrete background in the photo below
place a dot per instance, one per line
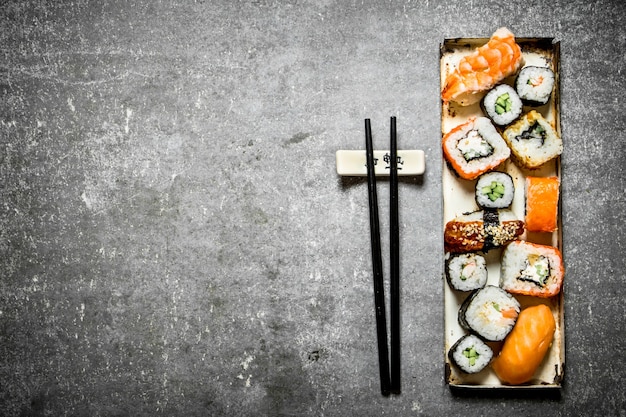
(175, 241)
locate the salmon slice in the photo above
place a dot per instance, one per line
(526, 345)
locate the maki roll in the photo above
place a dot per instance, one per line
(502, 104)
(531, 269)
(466, 271)
(470, 354)
(474, 148)
(533, 140)
(494, 190)
(490, 313)
(534, 84)
(481, 231)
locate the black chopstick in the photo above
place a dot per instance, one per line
(394, 239)
(377, 263)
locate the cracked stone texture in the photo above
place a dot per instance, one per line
(174, 238)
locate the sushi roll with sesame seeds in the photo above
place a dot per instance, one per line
(481, 231)
(470, 354)
(502, 104)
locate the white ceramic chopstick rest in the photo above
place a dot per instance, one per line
(353, 163)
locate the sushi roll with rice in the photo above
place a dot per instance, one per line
(481, 231)
(502, 104)
(466, 271)
(489, 313)
(531, 269)
(494, 190)
(470, 354)
(533, 140)
(474, 148)
(534, 85)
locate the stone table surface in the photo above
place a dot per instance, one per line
(174, 237)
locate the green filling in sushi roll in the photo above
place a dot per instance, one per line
(537, 270)
(503, 103)
(494, 190)
(470, 354)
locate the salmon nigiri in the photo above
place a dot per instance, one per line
(526, 345)
(483, 68)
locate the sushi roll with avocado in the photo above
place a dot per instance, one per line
(489, 313)
(534, 85)
(494, 190)
(470, 354)
(533, 140)
(502, 104)
(474, 148)
(532, 269)
(466, 271)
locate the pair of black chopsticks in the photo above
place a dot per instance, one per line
(390, 383)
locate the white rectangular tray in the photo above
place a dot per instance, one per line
(458, 198)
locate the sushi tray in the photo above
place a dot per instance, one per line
(503, 268)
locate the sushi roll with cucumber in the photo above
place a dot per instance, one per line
(533, 140)
(489, 313)
(466, 271)
(502, 104)
(531, 269)
(470, 354)
(474, 148)
(494, 190)
(534, 85)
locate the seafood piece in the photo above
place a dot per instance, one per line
(483, 69)
(526, 345)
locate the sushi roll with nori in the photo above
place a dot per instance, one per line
(481, 230)
(531, 269)
(466, 271)
(470, 354)
(494, 190)
(534, 84)
(490, 313)
(502, 104)
(533, 140)
(474, 148)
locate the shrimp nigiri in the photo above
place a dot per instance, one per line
(526, 345)
(483, 68)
